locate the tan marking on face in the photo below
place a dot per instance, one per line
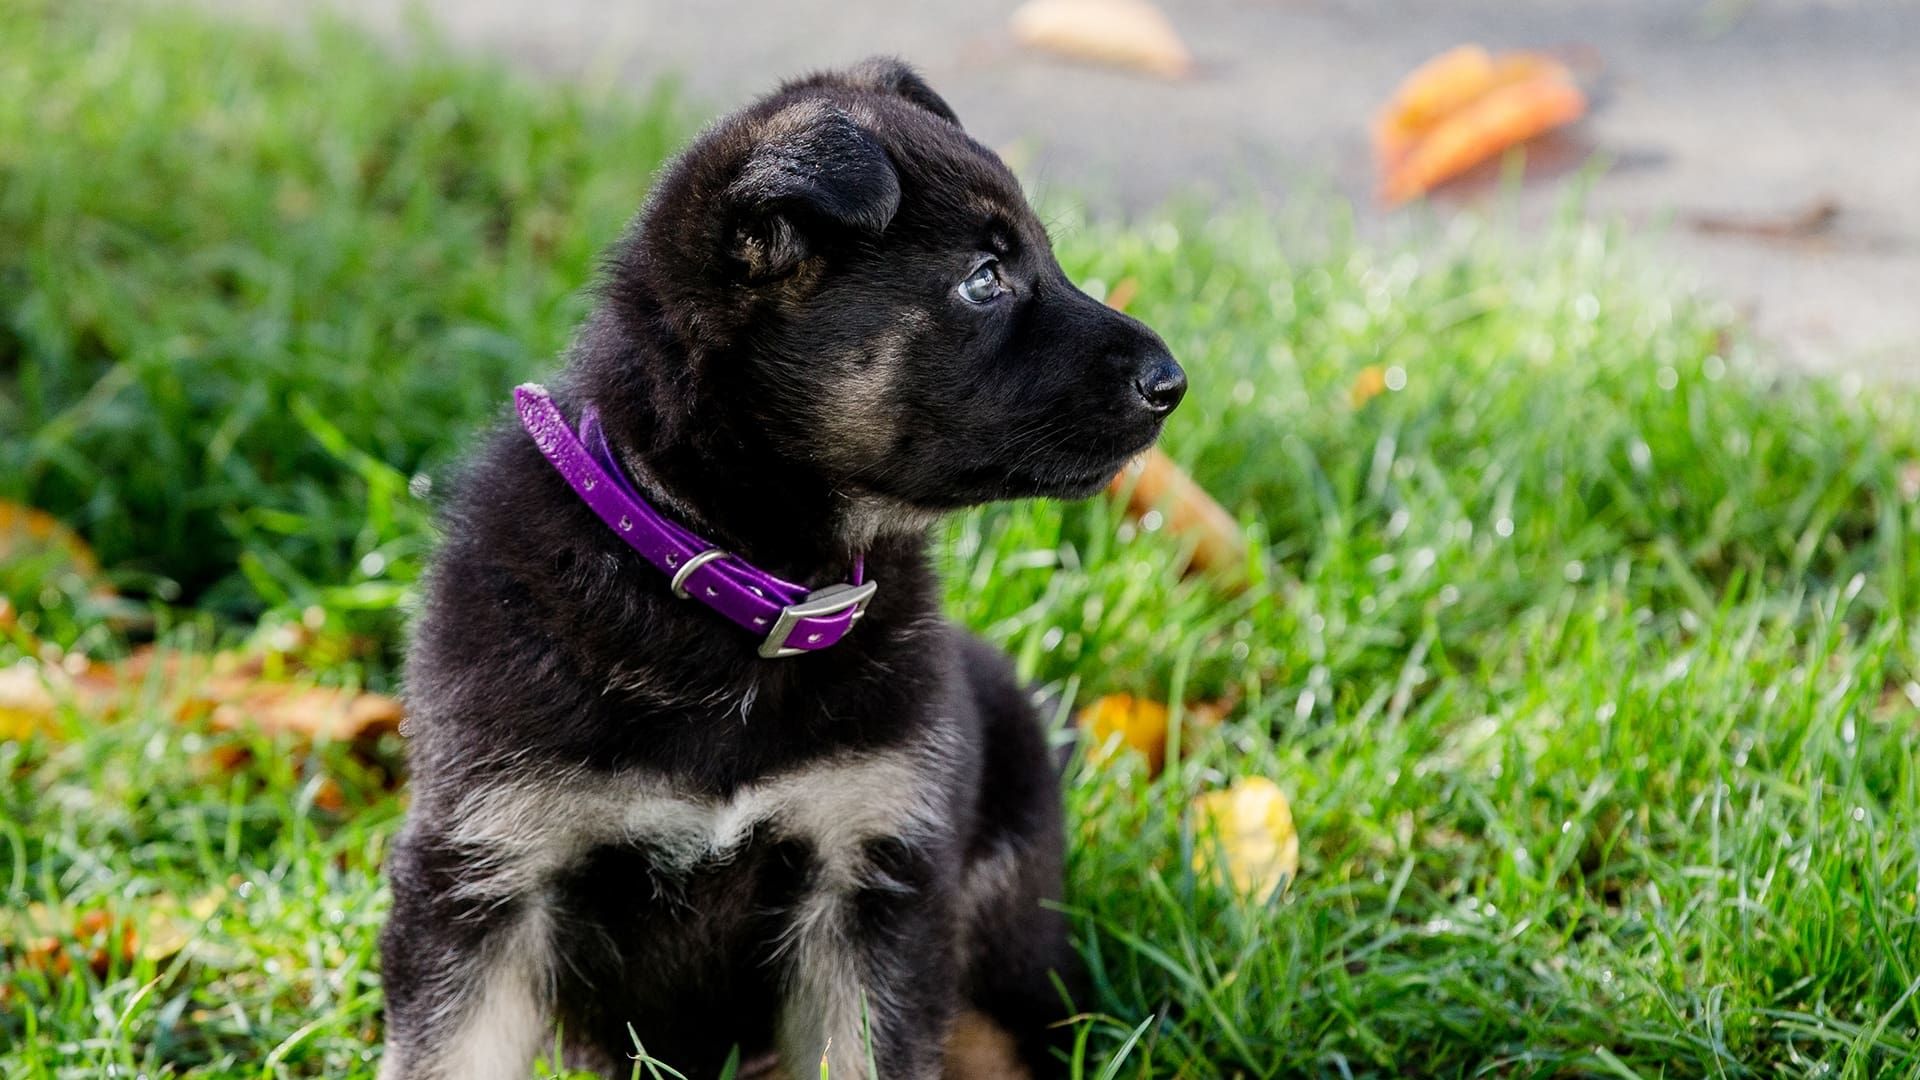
(857, 415)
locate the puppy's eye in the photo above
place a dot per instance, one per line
(983, 284)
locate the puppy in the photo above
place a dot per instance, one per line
(697, 765)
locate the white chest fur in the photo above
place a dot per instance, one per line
(519, 833)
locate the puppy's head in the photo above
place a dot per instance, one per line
(865, 291)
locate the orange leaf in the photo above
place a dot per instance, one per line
(1140, 724)
(1483, 130)
(1247, 837)
(1428, 95)
(24, 529)
(1124, 33)
(1465, 107)
(1153, 483)
(1367, 385)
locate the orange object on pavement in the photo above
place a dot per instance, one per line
(1464, 107)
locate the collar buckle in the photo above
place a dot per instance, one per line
(831, 600)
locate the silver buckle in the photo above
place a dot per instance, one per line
(828, 601)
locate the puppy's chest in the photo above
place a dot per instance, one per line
(834, 811)
(545, 825)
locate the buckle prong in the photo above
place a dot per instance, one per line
(831, 600)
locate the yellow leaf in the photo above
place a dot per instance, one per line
(24, 530)
(1140, 724)
(1123, 33)
(1246, 837)
(1368, 385)
(26, 705)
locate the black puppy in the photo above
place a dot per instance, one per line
(836, 319)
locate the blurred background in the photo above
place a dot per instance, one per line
(1769, 143)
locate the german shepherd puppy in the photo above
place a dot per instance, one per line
(836, 319)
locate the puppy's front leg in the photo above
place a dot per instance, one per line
(870, 951)
(467, 979)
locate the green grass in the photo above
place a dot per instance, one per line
(1587, 655)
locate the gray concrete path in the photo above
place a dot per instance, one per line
(1735, 112)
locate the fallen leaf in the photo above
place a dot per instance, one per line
(329, 796)
(1369, 384)
(24, 530)
(1139, 723)
(1464, 107)
(51, 939)
(1812, 219)
(1131, 34)
(96, 938)
(1247, 837)
(27, 706)
(227, 690)
(1443, 86)
(1152, 483)
(1426, 96)
(321, 712)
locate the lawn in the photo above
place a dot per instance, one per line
(1584, 646)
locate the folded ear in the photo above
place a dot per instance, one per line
(813, 176)
(884, 75)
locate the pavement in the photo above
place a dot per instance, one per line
(1768, 149)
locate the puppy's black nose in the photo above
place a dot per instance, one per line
(1161, 384)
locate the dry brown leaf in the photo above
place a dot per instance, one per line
(1810, 220)
(51, 939)
(1247, 838)
(321, 712)
(228, 689)
(1153, 483)
(1131, 34)
(97, 938)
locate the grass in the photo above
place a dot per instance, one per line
(1586, 651)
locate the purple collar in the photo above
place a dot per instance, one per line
(789, 618)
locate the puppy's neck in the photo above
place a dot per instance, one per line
(776, 516)
(698, 458)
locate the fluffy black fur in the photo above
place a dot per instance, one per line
(784, 361)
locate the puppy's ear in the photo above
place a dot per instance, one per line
(812, 176)
(881, 75)
(892, 76)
